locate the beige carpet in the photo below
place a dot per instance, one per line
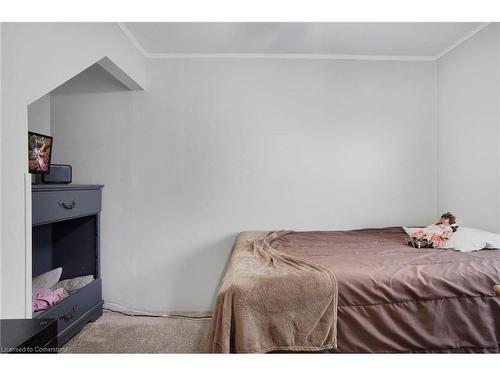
(118, 333)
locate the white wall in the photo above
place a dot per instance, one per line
(36, 58)
(214, 147)
(1, 169)
(468, 113)
(39, 115)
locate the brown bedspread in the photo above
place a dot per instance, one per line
(271, 301)
(394, 298)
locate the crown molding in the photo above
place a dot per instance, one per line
(304, 56)
(132, 39)
(462, 40)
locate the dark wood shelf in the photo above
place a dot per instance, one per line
(58, 187)
(66, 233)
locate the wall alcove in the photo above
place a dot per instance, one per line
(102, 77)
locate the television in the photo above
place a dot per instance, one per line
(39, 153)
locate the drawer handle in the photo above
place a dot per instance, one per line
(69, 315)
(68, 206)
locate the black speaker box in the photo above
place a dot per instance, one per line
(58, 174)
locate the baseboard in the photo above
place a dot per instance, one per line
(129, 311)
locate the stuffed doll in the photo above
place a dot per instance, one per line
(435, 235)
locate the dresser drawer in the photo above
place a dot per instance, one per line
(50, 206)
(73, 307)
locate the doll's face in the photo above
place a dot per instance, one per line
(444, 221)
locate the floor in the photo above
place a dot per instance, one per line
(119, 333)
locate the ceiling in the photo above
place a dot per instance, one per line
(424, 39)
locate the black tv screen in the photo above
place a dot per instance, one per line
(39, 153)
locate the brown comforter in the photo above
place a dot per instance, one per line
(394, 298)
(391, 297)
(270, 301)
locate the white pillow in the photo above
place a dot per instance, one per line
(47, 280)
(492, 240)
(468, 239)
(72, 285)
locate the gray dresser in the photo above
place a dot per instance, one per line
(65, 233)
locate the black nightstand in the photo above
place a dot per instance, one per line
(28, 336)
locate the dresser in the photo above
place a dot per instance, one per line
(66, 233)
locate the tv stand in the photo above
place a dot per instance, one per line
(65, 233)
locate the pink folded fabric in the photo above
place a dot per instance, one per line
(43, 298)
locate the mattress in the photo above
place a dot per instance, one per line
(395, 298)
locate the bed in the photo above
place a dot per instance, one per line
(359, 291)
